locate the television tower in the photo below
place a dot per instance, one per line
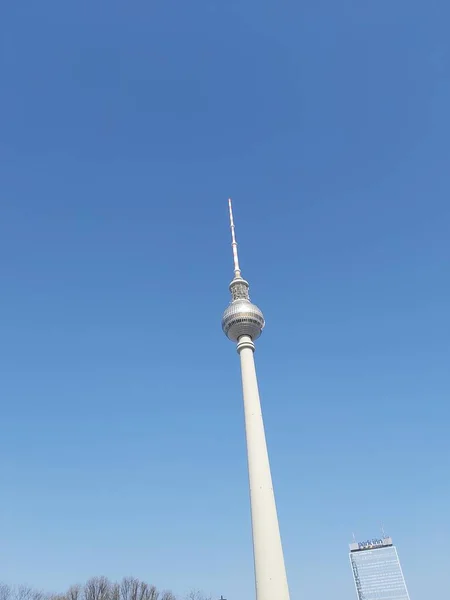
(243, 322)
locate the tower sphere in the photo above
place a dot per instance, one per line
(242, 317)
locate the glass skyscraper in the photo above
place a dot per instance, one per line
(376, 571)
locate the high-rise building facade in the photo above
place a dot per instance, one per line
(243, 322)
(377, 572)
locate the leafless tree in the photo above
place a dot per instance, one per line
(115, 591)
(5, 592)
(24, 592)
(127, 585)
(134, 589)
(147, 592)
(167, 595)
(197, 595)
(74, 592)
(97, 588)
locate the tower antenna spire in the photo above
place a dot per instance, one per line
(237, 270)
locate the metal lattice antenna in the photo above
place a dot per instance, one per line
(237, 270)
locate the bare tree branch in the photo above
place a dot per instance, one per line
(134, 589)
(151, 593)
(197, 595)
(23, 592)
(74, 592)
(97, 588)
(5, 592)
(55, 597)
(115, 591)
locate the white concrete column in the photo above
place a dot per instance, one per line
(270, 571)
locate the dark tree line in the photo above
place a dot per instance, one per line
(98, 588)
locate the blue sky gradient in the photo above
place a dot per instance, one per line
(123, 129)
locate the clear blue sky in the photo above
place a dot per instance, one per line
(124, 126)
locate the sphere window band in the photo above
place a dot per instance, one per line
(242, 318)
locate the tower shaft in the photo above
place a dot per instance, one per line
(243, 322)
(270, 571)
